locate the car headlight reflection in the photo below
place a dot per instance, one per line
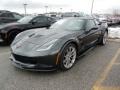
(46, 46)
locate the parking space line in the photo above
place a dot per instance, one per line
(116, 63)
(107, 88)
(97, 85)
(114, 40)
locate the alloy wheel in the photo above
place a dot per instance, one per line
(105, 38)
(69, 57)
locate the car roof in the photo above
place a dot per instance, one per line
(79, 18)
(36, 15)
(4, 11)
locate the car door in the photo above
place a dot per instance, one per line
(91, 33)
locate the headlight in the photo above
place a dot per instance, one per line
(46, 46)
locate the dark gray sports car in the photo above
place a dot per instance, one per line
(56, 47)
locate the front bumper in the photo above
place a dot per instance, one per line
(44, 63)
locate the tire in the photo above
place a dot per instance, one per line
(103, 39)
(11, 36)
(68, 57)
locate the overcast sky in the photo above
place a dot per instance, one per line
(38, 6)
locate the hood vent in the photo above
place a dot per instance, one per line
(37, 36)
(32, 35)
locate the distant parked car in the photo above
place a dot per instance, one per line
(70, 14)
(115, 20)
(101, 23)
(8, 17)
(9, 31)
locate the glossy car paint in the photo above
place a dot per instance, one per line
(36, 38)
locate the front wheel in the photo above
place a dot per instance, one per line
(68, 57)
(11, 36)
(103, 39)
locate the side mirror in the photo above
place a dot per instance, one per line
(33, 22)
(86, 32)
(99, 23)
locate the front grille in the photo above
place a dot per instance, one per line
(23, 59)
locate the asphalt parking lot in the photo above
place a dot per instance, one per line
(96, 70)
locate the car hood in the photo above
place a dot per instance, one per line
(36, 38)
(41, 36)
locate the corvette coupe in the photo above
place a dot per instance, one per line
(56, 47)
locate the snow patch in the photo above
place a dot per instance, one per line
(114, 32)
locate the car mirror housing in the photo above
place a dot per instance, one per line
(94, 28)
(99, 23)
(33, 22)
(87, 31)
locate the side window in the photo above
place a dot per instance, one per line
(40, 19)
(3, 15)
(44, 19)
(8, 15)
(75, 25)
(17, 16)
(90, 24)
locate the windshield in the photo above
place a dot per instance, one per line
(69, 24)
(26, 19)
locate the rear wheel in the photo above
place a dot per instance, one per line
(68, 57)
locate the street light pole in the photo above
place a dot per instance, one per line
(46, 7)
(92, 7)
(60, 9)
(25, 8)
